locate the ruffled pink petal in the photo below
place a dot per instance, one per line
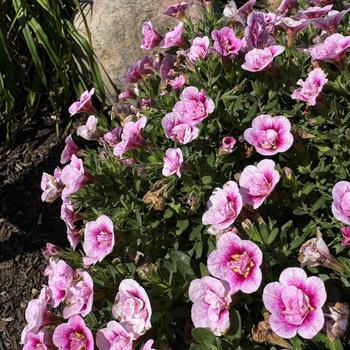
(272, 297)
(281, 327)
(312, 324)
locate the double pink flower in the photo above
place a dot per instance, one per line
(173, 162)
(114, 336)
(225, 42)
(174, 37)
(51, 186)
(150, 37)
(341, 201)
(199, 49)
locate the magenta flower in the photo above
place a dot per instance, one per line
(270, 135)
(330, 22)
(261, 59)
(73, 176)
(211, 302)
(51, 186)
(178, 82)
(257, 182)
(84, 104)
(36, 341)
(73, 335)
(311, 87)
(315, 12)
(237, 262)
(177, 10)
(178, 127)
(150, 37)
(333, 49)
(140, 69)
(167, 67)
(98, 239)
(131, 137)
(132, 308)
(173, 162)
(69, 149)
(227, 145)
(225, 42)
(341, 201)
(199, 49)
(148, 345)
(114, 336)
(89, 131)
(194, 104)
(224, 206)
(173, 37)
(113, 137)
(345, 231)
(247, 8)
(256, 34)
(295, 303)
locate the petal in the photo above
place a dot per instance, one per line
(293, 276)
(272, 297)
(316, 291)
(281, 327)
(312, 324)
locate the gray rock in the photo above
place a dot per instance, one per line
(115, 27)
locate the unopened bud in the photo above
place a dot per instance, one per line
(336, 319)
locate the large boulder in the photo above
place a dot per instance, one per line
(115, 27)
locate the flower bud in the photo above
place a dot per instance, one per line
(227, 145)
(346, 236)
(52, 250)
(336, 319)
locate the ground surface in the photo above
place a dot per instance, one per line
(26, 224)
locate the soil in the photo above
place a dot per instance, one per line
(26, 225)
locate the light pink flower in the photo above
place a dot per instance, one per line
(150, 37)
(257, 182)
(225, 42)
(98, 239)
(79, 296)
(227, 145)
(295, 303)
(132, 308)
(286, 6)
(260, 59)
(113, 137)
(270, 135)
(115, 337)
(311, 87)
(84, 104)
(330, 22)
(345, 231)
(36, 341)
(194, 104)
(256, 34)
(178, 82)
(179, 128)
(148, 345)
(89, 131)
(315, 12)
(173, 162)
(333, 49)
(211, 300)
(74, 335)
(341, 201)
(51, 186)
(73, 176)
(199, 49)
(237, 262)
(173, 37)
(131, 137)
(177, 10)
(224, 206)
(69, 149)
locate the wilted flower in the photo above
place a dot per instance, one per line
(178, 82)
(167, 67)
(173, 37)
(150, 37)
(315, 12)
(295, 303)
(225, 42)
(211, 300)
(70, 148)
(237, 262)
(227, 145)
(231, 12)
(173, 162)
(270, 135)
(224, 206)
(336, 319)
(84, 104)
(114, 336)
(51, 186)
(177, 10)
(330, 22)
(140, 69)
(341, 201)
(199, 49)
(346, 236)
(89, 131)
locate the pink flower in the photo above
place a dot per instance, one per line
(150, 37)
(177, 10)
(345, 231)
(292, 27)
(225, 42)
(140, 69)
(69, 149)
(114, 336)
(173, 161)
(311, 87)
(127, 94)
(73, 335)
(89, 131)
(333, 49)
(231, 12)
(98, 239)
(227, 145)
(73, 176)
(257, 182)
(247, 8)
(194, 104)
(51, 186)
(36, 341)
(270, 135)
(179, 128)
(199, 49)
(315, 12)
(173, 37)
(211, 302)
(237, 262)
(341, 201)
(148, 345)
(69, 217)
(330, 22)
(60, 277)
(224, 206)
(79, 296)
(285, 6)
(113, 137)
(295, 303)
(52, 250)
(256, 33)
(178, 82)
(260, 59)
(84, 104)
(132, 308)
(167, 67)
(131, 137)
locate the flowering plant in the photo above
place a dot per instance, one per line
(207, 209)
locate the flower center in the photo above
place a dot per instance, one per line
(103, 238)
(77, 341)
(242, 264)
(269, 139)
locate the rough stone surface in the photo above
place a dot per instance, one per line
(115, 27)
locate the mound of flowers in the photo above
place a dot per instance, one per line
(209, 208)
